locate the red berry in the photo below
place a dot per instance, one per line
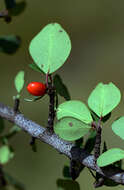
(36, 88)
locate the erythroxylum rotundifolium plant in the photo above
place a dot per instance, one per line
(50, 49)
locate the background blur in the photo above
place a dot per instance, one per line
(96, 29)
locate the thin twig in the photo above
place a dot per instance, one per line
(51, 94)
(98, 139)
(16, 105)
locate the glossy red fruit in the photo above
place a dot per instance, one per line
(36, 88)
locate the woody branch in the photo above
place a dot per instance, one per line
(64, 147)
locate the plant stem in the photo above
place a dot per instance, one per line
(98, 140)
(51, 116)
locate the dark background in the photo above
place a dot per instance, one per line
(96, 29)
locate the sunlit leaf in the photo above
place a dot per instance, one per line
(50, 48)
(118, 127)
(61, 88)
(110, 156)
(104, 98)
(71, 129)
(9, 44)
(19, 81)
(76, 109)
(5, 154)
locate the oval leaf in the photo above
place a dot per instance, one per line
(104, 98)
(110, 156)
(76, 109)
(5, 154)
(71, 129)
(50, 48)
(118, 127)
(19, 81)
(60, 87)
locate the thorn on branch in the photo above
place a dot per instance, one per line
(97, 145)
(33, 144)
(16, 105)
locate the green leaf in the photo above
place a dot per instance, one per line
(71, 129)
(5, 154)
(1, 125)
(9, 44)
(61, 89)
(104, 98)
(118, 127)
(50, 48)
(76, 109)
(18, 8)
(19, 81)
(110, 156)
(35, 67)
(14, 182)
